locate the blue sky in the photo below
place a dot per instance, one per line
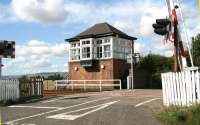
(39, 28)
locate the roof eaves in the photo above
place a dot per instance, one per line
(89, 36)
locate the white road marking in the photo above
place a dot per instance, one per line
(19, 124)
(65, 97)
(59, 98)
(67, 116)
(142, 103)
(37, 107)
(40, 114)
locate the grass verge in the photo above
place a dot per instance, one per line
(180, 115)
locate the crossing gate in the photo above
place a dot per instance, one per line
(181, 89)
(31, 88)
(9, 89)
(20, 89)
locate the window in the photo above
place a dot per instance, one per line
(99, 41)
(78, 54)
(73, 45)
(99, 52)
(73, 54)
(107, 41)
(107, 51)
(85, 42)
(86, 52)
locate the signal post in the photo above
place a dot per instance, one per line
(7, 50)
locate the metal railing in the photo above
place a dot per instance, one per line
(71, 84)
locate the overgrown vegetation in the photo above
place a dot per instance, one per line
(181, 116)
(55, 77)
(155, 65)
(50, 77)
(196, 50)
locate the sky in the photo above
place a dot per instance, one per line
(39, 28)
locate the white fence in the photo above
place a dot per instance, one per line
(85, 84)
(181, 89)
(9, 90)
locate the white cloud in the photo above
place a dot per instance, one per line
(126, 26)
(41, 47)
(60, 49)
(131, 16)
(149, 17)
(38, 56)
(36, 43)
(139, 47)
(44, 11)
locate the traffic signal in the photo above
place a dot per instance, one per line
(161, 27)
(7, 49)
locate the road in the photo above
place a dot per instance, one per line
(137, 107)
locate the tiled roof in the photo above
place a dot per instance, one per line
(100, 30)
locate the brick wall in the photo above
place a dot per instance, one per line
(113, 69)
(95, 72)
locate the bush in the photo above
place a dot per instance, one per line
(6, 102)
(181, 116)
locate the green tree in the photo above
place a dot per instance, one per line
(155, 65)
(55, 77)
(196, 50)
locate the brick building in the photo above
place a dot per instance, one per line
(100, 53)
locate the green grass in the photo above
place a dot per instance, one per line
(180, 115)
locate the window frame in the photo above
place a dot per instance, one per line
(107, 53)
(85, 53)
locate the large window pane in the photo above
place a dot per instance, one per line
(99, 41)
(73, 54)
(86, 52)
(85, 42)
(99, 52)
(107, 51)
(78, 54)
(107, 40)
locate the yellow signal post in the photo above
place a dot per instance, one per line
(199, 6)
(0, 119)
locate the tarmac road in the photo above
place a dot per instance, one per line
(137, 107)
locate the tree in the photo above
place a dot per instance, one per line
(155, 65)
(55, 77)
(196, 50)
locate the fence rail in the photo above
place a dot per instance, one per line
(32, 87)
(9, 90)
(14, 89)
(85, 84)
(182, 89)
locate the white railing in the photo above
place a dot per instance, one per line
(71, 84)
(181, 89)
(9, 90)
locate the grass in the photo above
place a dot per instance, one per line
(180, 115)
